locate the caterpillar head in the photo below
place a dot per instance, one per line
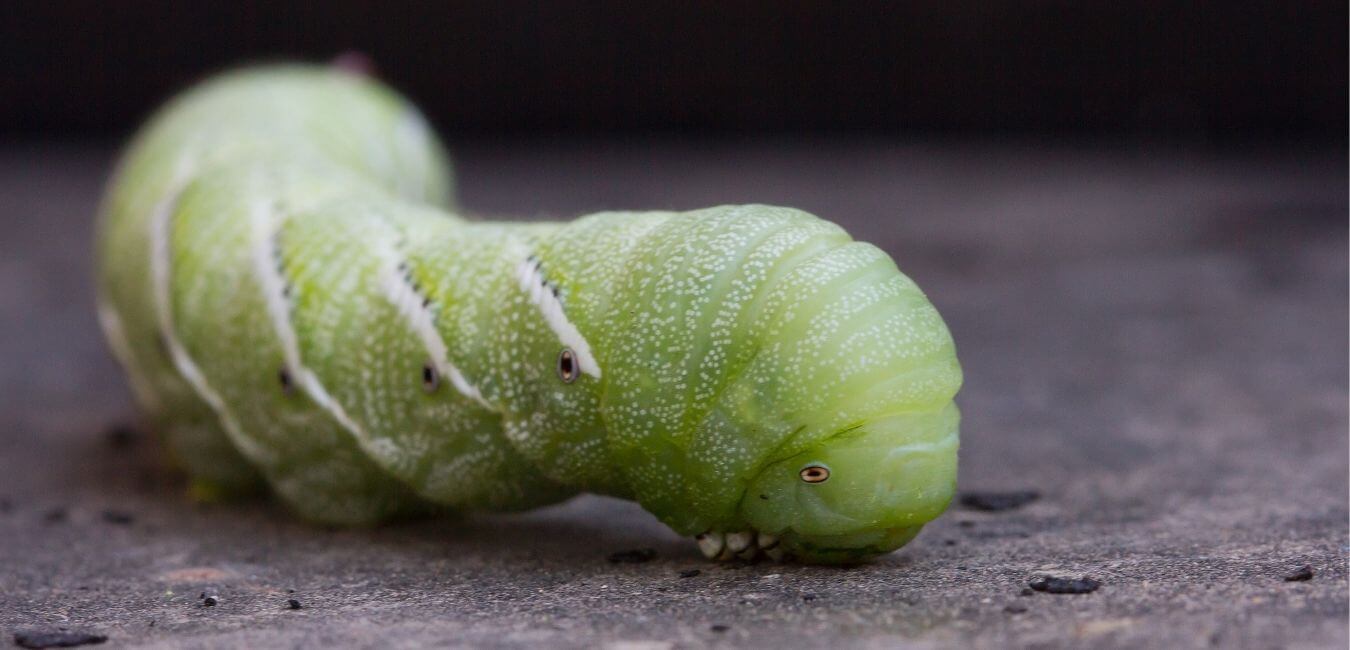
(861, 492)
(854, 362)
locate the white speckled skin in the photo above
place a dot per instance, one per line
(293, 309)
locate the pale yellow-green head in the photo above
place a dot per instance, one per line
(862, 492)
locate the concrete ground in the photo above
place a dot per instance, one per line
(1154, 339)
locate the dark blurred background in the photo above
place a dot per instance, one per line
(1213, 72)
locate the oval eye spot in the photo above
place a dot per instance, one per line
(567, 365)
(284, 378)
(815, 474)
(431, 379)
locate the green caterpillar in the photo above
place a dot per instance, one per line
(295, 308)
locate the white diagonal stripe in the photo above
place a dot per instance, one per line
(409, 305)
(266, 223)
(161, 268)
(531, 279)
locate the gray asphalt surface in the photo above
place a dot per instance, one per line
(1154, 339)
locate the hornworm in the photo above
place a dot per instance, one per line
(296, 308)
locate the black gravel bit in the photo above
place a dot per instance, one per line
(690, 573)
(209, 601)
(998, 501)
(806, 598)
(634, 556)
(293, 604)
(118, 517)
(1057, 585)
(56, 638)
(120, 436)
(1300, 574)
(54, 516)
(720, 628)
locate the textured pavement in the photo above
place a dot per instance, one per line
(1154, 339)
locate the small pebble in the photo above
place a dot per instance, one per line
(56, 638)
(690, 573)
(293, 604)
(1057, 585)
(54, 516)
(209, 601)
(720, 628)
(1300, 574)
(1027, 591)
(808, 597)
(118, 517)
(634, 556)
(1015, 609)
(998, 501)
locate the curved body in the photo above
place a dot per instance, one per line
(296, 308)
